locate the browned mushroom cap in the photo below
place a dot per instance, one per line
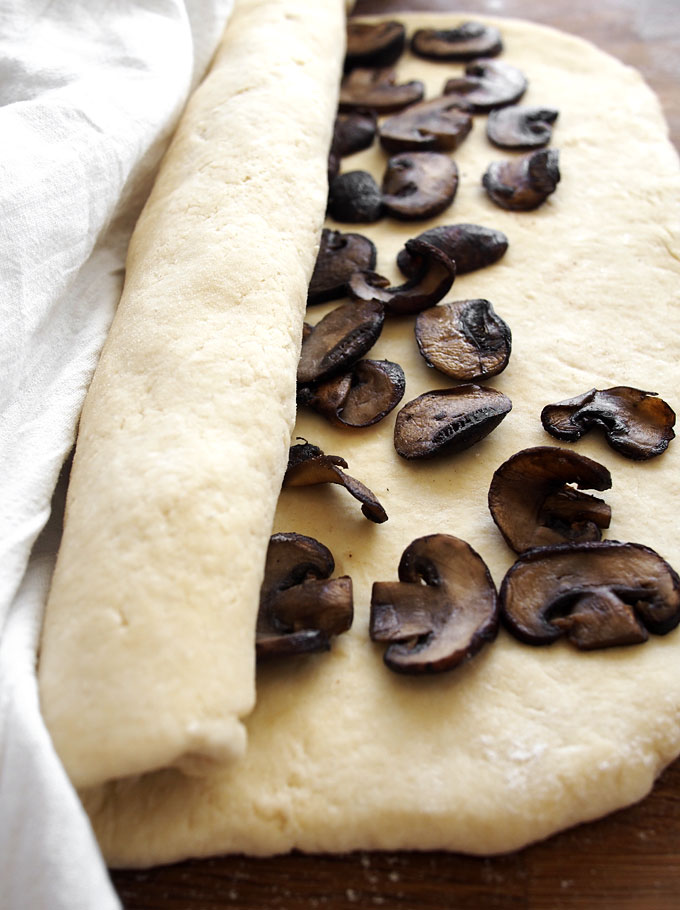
(377, 90)
(339, 339)
(440, 612)
(419, 184)
(637, 424)
(428, 285)
(353, 132)
(597, 594)
(446, 421)
(340, 255)
(437, 125)
(465, 339)
(487, 84)
(471, 246)
(307, 466)
(374, 44)
(523, 183)
(360, 397)
(521, 126)
(467, 41)
(533, 505)
(355, 197)
(301, 607)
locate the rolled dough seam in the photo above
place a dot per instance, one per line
(147, 656)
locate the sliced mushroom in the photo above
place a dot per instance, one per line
(355, 197)
(340, 255)
(333, 167)
(533, 505)
(598, 594)
(308, 466)
(465, 339)
(446, 421)
(428, 285)
(360, 397)
(437, 125)
(521, 126)
(374, 44)
(471, 246)
(637, 424)
(487, 84)
(523, 183)
(353, 132)
(441, 612)
(377, 90)
(301, 607)
(339, 340)
(465, 42)
(419, 184)
(303, 451)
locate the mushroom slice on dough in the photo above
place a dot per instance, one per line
(308, 466)
(301, 606)
(636, 424)
(430, 282)
(442, 610)
(466, 41)
(534, 505)
(598, 594)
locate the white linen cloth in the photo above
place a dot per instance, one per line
(90, 91)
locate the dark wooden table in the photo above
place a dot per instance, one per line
(630, 859)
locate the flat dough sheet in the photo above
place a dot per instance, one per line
(520, 742)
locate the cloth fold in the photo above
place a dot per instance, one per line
(91, 93)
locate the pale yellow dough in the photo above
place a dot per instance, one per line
(147, 655)
(521, 741)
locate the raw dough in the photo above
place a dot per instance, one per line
(521, 741)
(147, 656)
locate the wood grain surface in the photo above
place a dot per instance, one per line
(630, 859)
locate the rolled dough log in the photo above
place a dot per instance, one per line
(521, 741)
(147, 656)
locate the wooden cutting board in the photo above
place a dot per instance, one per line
(630, 859)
